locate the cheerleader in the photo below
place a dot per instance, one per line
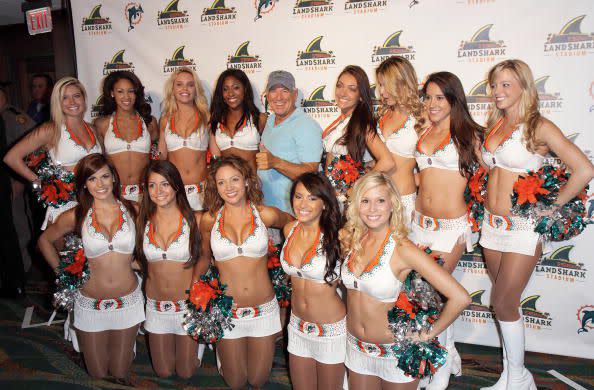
(235, 122)
(446, 154)
(126, 129)
(109, 308)
(183, 137)
(66, 137)
(235, 233)
(401, 117)
(379, 258)
(517, 142)
(310, 255)
(168, 249)
(349, 139)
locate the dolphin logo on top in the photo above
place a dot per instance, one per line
(476, 312)
(313, 57)
(534, 318)
(218, 14)
(392, 47)
(177, 61)
(95, 24)
(570, 41)
(558, 266)
(171, 17)
(117, 63)
(263, 7)
(318, 106)
(133, 13)
(585, 317)
(481, 46)
(307, 9)
(243, 60)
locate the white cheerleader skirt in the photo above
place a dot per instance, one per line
(509, 234)
(441, 234)
(165, 317)
(97, 315)
(257, 321)
(374, 359)
(195, 195)
(132, 192)
(325, 343)
(52, 213)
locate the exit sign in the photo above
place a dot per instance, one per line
(39, 20)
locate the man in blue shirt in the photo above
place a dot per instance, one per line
(291, 142)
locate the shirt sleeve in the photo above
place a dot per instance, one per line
(308, 139)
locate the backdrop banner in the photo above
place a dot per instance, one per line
(316, 39)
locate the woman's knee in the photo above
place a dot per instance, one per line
(258, 379)
(97, 372)
(186, 370)
(237, 381)
(505, 307)
(163, 372)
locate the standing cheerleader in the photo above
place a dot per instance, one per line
(168, 249)
(317, 329)
(235, 122)
(126, 129)
(67, 138)
(379, 258)
(235, 233)
(183, 137)
(401, 118)
(109, 308)
(349, 139)
(446, 154)
(518, 139)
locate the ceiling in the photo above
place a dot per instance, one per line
(10, 11)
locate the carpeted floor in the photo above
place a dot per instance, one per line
(38, 358)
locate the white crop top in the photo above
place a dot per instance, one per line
(313, 266)
(245, 138)
(333, 133)
(377, 279)
(178, 250)
(255, 245)
(511, 154)
(445, 156)
(403, 140)
(70, 150)
(97, 244)
(115, 143)
(197, 140)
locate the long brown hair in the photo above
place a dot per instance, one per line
(148, 209)
(362, 122)
(86, 168)
(465, 132)
(213, 200)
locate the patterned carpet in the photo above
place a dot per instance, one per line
(38, 358)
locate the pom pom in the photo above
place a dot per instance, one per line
(474, 196)
(343, 172)
(73, 272)
(280, 280)
(208, 311)
(57, 183)
(154, 153)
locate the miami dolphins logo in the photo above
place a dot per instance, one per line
(95, 23)
(392, 47)
(133, 13)
(117, 63)
(178, 60)
(585, 317)
(218, 11)
(242, 59)
(263, 7)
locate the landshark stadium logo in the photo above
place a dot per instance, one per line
(263, 7)
(585, 317)
(570, 41)
(479, 101)
(243, 60)
(133, 14)
(548, 102)
(308, 9)
(314, 58)
(558, 266)
(117, 63)
(97, 107)
(473, 263)
(391, 47)
(534, 318)
(177, 61)
(95, 24)
(318, 106)
(218, 14)
(171, 18)
(476, 312)
(481, 48)
(375, 99)
(365, 6)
